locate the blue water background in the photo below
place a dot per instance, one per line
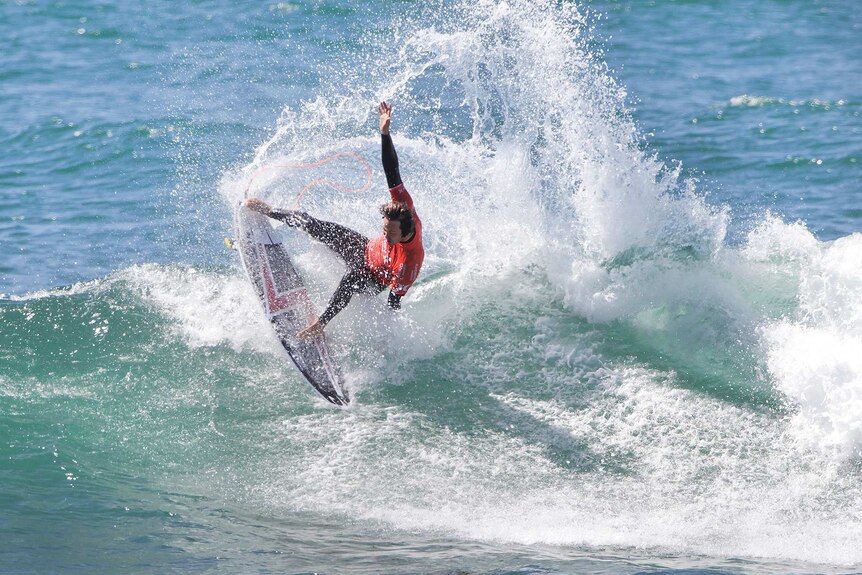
(118, 122)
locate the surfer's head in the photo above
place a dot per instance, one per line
(397, 222)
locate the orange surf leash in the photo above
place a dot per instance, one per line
(318, 181)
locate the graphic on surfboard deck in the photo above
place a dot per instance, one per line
(285, 302)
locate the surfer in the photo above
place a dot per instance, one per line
(391, 260)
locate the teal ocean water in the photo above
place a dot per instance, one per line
(636, 346)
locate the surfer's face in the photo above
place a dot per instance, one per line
(392, 231)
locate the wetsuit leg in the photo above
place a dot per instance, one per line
(353, 282)
(390, 161)
(348, 244)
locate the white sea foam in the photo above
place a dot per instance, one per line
(205, 308)
(660, 468)
(816, 353)
(749, 101)
(74, 289)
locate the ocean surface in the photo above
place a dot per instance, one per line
(635, 347)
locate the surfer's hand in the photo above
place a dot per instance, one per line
(311, 331)
(259, 206)
(385, 111)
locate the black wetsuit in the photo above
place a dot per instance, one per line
(348, 244)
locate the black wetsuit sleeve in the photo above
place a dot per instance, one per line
(394, 300)
(390, 161)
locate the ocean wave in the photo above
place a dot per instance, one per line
(586, 360)
(601, 356)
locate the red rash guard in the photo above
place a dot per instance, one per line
(397, 266)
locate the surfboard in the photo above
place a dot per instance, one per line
(285, 302)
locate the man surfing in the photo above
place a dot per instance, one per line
(391, 260)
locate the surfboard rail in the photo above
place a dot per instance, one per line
(285, 303)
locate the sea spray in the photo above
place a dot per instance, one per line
(603, 366)
(815, 352)
(591, 375)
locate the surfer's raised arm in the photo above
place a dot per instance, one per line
(388, 156)
(405, 253)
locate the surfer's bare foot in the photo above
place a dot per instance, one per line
(259, 206)
(311, 331)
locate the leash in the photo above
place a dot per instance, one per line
(318, 181)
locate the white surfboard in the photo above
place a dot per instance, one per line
(285, 302)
